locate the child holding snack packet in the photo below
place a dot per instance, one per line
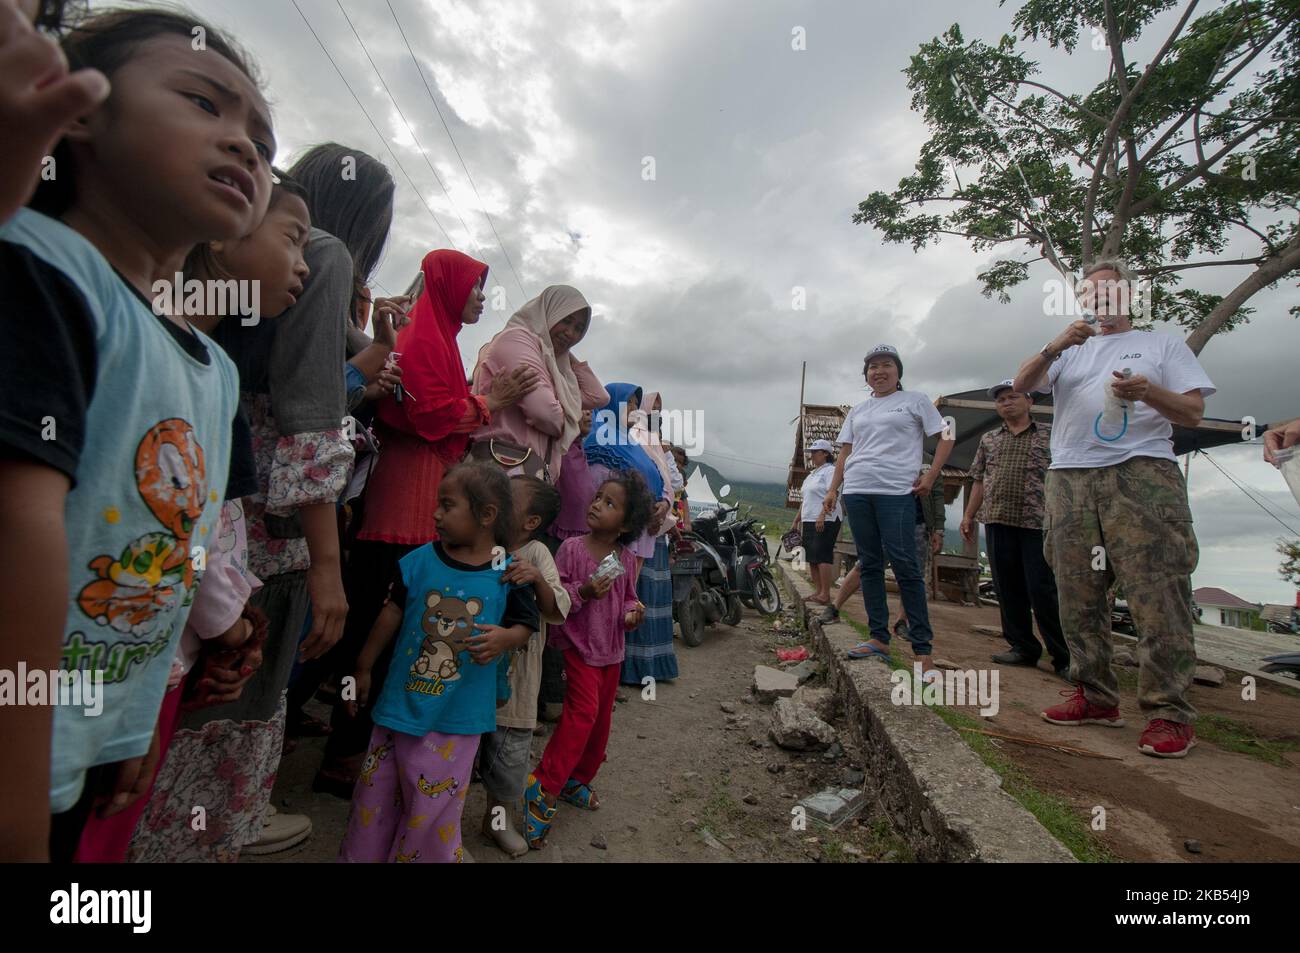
(599, 574)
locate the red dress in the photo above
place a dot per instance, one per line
(429, 430)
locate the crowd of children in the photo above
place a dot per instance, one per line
(177, 486)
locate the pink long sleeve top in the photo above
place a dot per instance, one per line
(538, 418)
(593, 628)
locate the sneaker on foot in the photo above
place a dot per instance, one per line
(829, 614)
(508, 839)
(1077, 710)
(281, 832)
(1167, 739)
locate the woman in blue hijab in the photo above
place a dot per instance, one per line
(611, 445)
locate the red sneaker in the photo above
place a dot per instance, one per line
(1167, 739)
(1079, 711)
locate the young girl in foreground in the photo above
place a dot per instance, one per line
(98, 569)
(450, 607)
(591, 636)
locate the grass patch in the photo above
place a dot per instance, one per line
(1237, 736)
(1053, 812)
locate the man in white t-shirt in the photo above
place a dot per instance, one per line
(1116, 506)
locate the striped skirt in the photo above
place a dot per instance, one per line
(649, 648)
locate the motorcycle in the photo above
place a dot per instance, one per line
(719, 567)
(1285, 664)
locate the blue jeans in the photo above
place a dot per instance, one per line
(884, 527)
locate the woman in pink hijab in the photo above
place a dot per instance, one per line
(533, 435)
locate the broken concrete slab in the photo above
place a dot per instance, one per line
(1123, 657)
(771, 684)
(993, 630)
(942, 800)
(820, 700)
(796, 727)
(834, 806)
(1208, 675)
(803, 671)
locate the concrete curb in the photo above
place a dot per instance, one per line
(943, 800)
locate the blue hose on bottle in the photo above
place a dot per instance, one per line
(1110, 394)
(1096, 427)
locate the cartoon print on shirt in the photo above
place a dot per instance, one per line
(448, 626)
(143, 579)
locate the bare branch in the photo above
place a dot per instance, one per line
(1054, 133)
(1196, 172)
(1268, 243)
(1213, 263)
(1218, 87)
(1078, 107)
(1273, 269)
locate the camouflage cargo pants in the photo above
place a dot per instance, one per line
(1129, 522)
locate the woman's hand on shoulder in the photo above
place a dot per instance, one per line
(511, 387)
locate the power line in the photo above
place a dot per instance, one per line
(1254, 490)
(382, 140)
(400, 115)
(1247, 494)
(433, 99)
(757, 463)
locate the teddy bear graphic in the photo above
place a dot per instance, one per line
(143, 579)
(448, 624)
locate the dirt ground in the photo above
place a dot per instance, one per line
(685, 781)
(1238, 806)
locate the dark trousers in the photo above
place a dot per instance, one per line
(884, 527)
(372, 566)
(1024, 581)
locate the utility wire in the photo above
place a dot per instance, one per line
(1247, 494)
(433, 99)
(757, 463)
(382, 140)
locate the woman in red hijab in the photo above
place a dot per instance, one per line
(420, 436)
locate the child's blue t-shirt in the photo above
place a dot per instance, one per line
(149, 473)
(433, 682)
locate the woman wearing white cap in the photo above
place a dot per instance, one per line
(880, 457)
(820, 529)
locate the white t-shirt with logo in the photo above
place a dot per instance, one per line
(1077, 381)
(887, 434)
(813, 493)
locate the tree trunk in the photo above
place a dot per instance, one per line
(1288, 259)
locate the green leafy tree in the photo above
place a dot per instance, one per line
(1290, 568)
(1164, 164)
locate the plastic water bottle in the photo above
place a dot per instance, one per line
(1112, 414)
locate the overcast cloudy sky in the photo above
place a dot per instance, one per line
(761, 153)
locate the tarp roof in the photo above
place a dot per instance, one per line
(698, 492)
(976, 414)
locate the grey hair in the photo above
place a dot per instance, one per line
(1117, 265)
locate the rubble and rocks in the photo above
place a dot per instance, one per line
(771, 684)
(728, 707)
(796, 727)
(1208, 675)
(820, 700)
(803, 671)
(598, 841)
